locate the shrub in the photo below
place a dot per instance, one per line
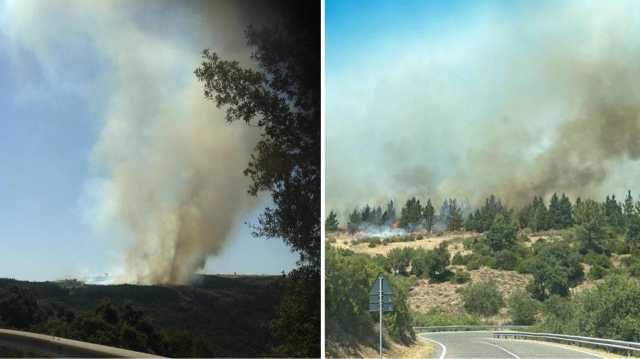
(482, 298)
(461, 276)
(608, 311)
(598, 272)
(506, 259)
(432, 264)
(522, 308)
(458, 259)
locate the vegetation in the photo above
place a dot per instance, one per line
(611, 310)
(522, 308)
(349, 277)
(171, 321)
(331, 223)
(281, 97)
(579, 241)
(482, 298)
(437, 316)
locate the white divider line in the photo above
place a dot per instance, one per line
(503, 349)
(443, 352)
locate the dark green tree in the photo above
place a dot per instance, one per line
(355, 219)
(632, 236)
(483, 298)
(281, 96)
(628, 208)
(428, 212)
(389, 215)
(454, 218)
(555, 212)
(411, 214)
(331, 223)
(589, 232)
(502, 234)
(566, 210)
(522, 308)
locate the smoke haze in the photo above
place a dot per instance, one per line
(168, 167)
(540, 100)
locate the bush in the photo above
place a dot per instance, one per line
(461, 276)
(598, 272)
(432, 264)
(348, 280)
(522, 308)
(482, 298)
(506, 259)
(458, 259)
(596, 259)
(610, 310)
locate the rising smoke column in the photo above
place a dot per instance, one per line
(536, 99)
(168, 165)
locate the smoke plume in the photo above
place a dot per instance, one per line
(534, 100)
(169, 167)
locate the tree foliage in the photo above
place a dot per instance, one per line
(331, 223)
(281, 96)
(483, 298)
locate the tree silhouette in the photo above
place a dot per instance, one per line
(281, 96)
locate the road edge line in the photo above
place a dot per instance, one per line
(560, 345)
(444, 347)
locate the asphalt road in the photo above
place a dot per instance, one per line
(483, 345)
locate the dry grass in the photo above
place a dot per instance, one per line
(446, 296)
(343, 240)
(419, 349)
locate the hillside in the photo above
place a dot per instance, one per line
(220, 316)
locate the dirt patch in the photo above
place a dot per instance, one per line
(428, 241)
(425, 296)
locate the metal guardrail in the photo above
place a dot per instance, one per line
(461, 328)
(59, 347)
(608, 344)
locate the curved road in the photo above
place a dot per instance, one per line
(483, 345)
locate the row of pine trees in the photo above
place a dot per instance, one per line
(560, 213)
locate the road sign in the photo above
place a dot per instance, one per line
(380, 300)
(374, 295)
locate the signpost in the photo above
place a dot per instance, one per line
(380, 300)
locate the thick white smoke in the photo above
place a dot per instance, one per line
(169, 167)
(513, 100)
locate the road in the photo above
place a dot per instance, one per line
(483, 345)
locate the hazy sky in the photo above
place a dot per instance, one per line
(467, 98)
(57, 95)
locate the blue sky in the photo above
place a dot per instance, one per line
(54, 105)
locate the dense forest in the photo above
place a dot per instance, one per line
(574, 242)
(216, 316)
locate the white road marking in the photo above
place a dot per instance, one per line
(444, 348)
(563, 346)
(503, 349)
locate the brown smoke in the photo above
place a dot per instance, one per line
(520, 102)
(169, 166)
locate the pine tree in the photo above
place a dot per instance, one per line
(428, 212)
(355, 219)
(628, 209)
(389, 216)
(411, 214)
(331, 223)
(454, 221)
(555, 212)
(566, 218)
